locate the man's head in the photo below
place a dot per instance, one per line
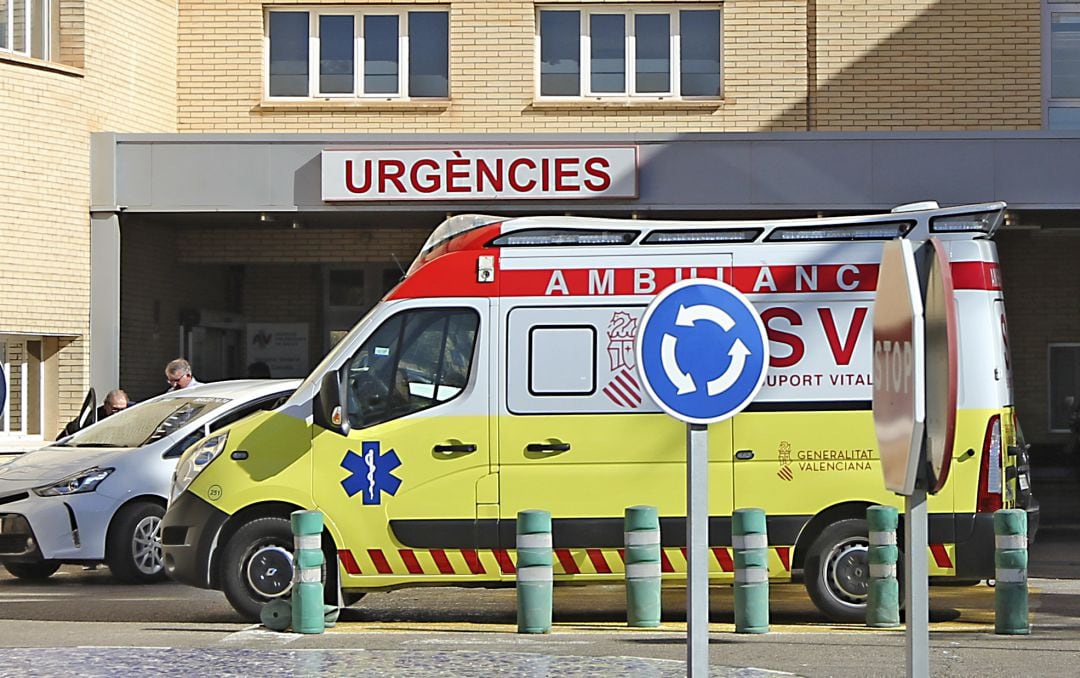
(115, 400)
(178, 373)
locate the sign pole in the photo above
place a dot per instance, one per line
(916, 584)
(702, 351)
(697, 559)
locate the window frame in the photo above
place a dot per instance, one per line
(358, 12)
(1049, 8)
(446, 313)
(630, 12)
(49, 29)
(531, 369)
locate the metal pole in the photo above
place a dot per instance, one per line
(697, 541)
(916, 585)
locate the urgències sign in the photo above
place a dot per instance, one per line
(484, 173)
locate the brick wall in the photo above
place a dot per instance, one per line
(926, 65)
(115, 70)
(1042, 283)
(929, 64)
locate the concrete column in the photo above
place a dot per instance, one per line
(104, 302)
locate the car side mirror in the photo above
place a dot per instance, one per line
(329, 407)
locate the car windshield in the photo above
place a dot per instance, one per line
(143, 423)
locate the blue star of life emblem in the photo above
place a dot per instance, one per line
(371, 472)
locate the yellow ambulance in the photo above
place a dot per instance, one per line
(500, 375)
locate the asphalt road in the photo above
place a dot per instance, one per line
(450, 631)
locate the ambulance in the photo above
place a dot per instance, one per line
(500, 375)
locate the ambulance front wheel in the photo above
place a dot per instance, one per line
(837, 572)
(257, 565)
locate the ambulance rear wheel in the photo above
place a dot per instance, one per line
(838, 572)
(257, 565)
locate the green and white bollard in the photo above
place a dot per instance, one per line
(750, 541)
(1011, 564)
(883, 598)
(641, 538)
(534, 571)
(308, 615)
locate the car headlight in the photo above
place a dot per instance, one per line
(194, 461)
(76, 483)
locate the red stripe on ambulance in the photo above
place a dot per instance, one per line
(785, 556)
(598, 561)
(411, 563)
(723, 558)
(442, 562)
(566, 559)
(454, 274)
(473, 561)
(941, 556)
(382, 566)
(349, 563)
(505, 563)
(976, 275)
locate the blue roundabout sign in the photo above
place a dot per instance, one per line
(702, 351)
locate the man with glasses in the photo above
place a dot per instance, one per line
(178, 373)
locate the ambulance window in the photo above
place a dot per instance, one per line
(413, 361)
(562, 360)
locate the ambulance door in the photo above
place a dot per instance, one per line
(404, 480)
(581, 438)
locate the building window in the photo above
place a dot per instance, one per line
(22, 382)
(1061, 64)
(28, 27)
(646, 51)
(341, 52)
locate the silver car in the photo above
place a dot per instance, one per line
(98, 495)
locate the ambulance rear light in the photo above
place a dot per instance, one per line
(558, 237)
(883, 231)
(699, 236)
(978, 222)
(989, 497)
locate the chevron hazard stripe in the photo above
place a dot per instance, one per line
(494, 563)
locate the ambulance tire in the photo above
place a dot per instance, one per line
(837, 573)
(262, 543)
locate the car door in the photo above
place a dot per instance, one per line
(401, 487)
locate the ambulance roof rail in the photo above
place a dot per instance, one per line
(918, 220)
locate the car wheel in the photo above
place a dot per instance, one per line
(838, 572)
(42, 569)
(257, 565)
(133, 546)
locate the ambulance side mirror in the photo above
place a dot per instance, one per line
(329, 407)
